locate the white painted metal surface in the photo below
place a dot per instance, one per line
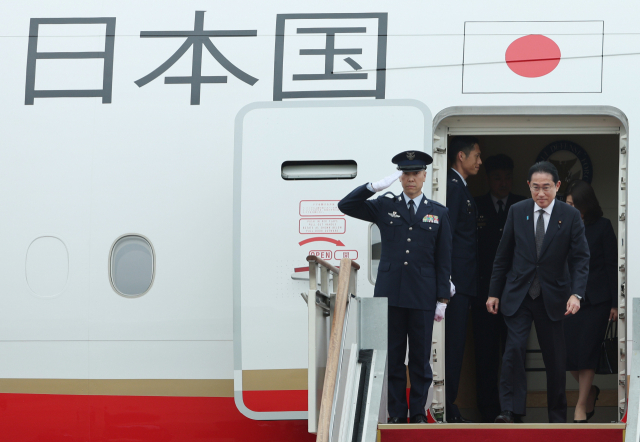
(88, 172)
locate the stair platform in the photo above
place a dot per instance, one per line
(501, 432)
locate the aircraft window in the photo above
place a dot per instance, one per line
(319, 170)
(132, 265)
(375, 247)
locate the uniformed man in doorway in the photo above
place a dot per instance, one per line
(464, 156)
(490, 331)
(414, 271)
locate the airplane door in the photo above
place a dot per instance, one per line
(293, 162)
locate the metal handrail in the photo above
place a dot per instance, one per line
(333, 357)
(322, 262)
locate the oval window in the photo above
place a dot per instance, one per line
(132, 265)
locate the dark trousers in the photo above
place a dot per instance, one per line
(513, 381)
(455, 335)
(489, 335)
(418, 326)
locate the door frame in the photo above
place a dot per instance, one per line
(531, 120)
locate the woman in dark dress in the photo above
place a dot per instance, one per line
(585, 330)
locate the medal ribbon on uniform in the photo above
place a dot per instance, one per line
(431, 219)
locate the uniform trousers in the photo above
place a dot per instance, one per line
(455, 335)
(418, 326)
(489, 335)
(513, 380)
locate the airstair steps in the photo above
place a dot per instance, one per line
(501, 432)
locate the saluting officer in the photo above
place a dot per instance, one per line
(414, 271)
(464, 155)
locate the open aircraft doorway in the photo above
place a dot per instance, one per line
(588, 143)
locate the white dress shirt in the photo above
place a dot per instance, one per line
(416, 201)
(546, 214)
(463, 180)
(504, 203)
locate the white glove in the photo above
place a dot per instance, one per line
(386, 182)
(452, 289)
(440, 308)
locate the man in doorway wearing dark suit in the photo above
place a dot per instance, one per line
(464, 156)
(490, 331)
(539, 275)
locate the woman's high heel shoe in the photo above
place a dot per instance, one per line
(592, 412)
(581, 421)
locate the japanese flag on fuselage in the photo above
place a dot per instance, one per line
(532, 57)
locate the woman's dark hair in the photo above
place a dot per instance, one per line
(584, 199)
(544, 167)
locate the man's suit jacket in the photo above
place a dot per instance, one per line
(490, 226)
(563, 266)
(415, 261)
(462, 214)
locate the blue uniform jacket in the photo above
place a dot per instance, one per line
(490, 226)
(415, 262)
(462, 213)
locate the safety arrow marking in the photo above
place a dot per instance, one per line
(320, 238)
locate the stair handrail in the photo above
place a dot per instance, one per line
(345, 284)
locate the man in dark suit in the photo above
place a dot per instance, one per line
(490, 331)
(539, 275)
(464, 156)
(414, 270)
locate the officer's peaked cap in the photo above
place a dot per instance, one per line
(412, 160)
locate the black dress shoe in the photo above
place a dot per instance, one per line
(506, 417)
(397, 420)
(458, 420)
(592, 412)
(580, 421)
(419, 419)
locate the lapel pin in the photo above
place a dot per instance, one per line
(527, 217)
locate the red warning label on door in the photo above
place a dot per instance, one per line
(320, 208)
(351, 254)
(322, 254)
(322, 225)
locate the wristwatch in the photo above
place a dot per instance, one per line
(579, 297)
(443, 300)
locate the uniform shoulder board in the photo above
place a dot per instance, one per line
(389, 195)
(437, 203)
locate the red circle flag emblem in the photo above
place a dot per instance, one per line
(532, 56)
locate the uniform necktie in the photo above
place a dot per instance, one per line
(534, 291)
(500, 207)
(412, 212)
